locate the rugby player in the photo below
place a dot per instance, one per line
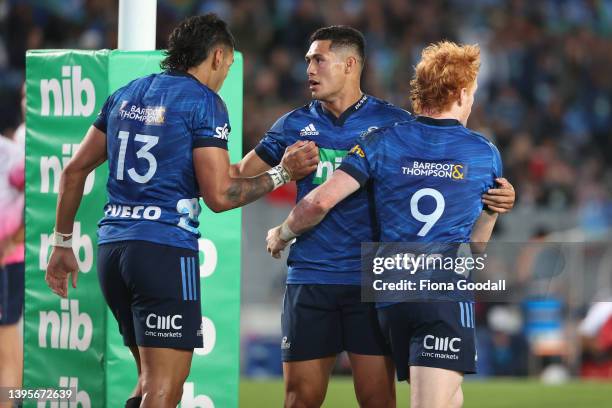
(420, 206)
(165, 138)
(322, 310)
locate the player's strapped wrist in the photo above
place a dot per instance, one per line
(285, 232)
(279, 176)
(61, 240)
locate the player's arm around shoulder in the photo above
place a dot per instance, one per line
(500, 199)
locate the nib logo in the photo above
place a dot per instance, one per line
(190, 400)
(80, 400)
(51, 169)
(68, 96)
(70, 330)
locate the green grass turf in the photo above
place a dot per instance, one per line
(480, 393)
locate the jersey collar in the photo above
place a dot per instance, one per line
(339, 121)
(175, 72)
(438, 122)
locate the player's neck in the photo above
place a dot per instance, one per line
(450, 114)
(337, 105)
(202, 75)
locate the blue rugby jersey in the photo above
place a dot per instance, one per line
(427, 177)
(330, 253)
(152, 126)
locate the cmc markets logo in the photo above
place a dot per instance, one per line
(431, 342)
(51, 169)
(167, 322)
(190, 400)
(80, 400)
(67, 329)
(74, 96)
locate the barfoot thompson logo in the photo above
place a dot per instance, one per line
(309, 131)
(68, 96)
(439, 345)
(149, 115)
(445, 170)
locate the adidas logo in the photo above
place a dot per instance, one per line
(309, 131)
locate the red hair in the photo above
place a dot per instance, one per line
(445, 68)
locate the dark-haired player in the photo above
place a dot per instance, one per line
(322, 310)
(432, 343)
(165, 138)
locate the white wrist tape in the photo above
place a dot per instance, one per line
(285, 233)
(279, 176)
(61, 240)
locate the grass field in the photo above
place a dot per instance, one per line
(485, 394)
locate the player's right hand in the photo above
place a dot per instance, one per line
(300, 159)
(61, 264)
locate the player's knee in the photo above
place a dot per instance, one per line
(457, 399)
(376, 398)
(162, 390)
(297, 396)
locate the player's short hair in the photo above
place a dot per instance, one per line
(342, 36)
(445, 68)
(192, 40)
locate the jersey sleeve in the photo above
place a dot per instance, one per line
(498, 169)
(272, 146)
(101, 121)
(357, 162)
(211, 126)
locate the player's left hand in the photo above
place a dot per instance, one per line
(500, 200)
(275, 244)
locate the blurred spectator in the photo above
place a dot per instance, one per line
(596, 332)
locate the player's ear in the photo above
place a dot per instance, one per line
(217, 58)
(350, 65)
(463, 96)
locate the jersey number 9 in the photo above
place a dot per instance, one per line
(428, 219)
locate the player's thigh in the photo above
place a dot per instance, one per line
(374, 379)
(165, 286)
(306, 381)
(114, 289)
(310, 323)
(361, 332)
(432, 387)
(397, 328)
